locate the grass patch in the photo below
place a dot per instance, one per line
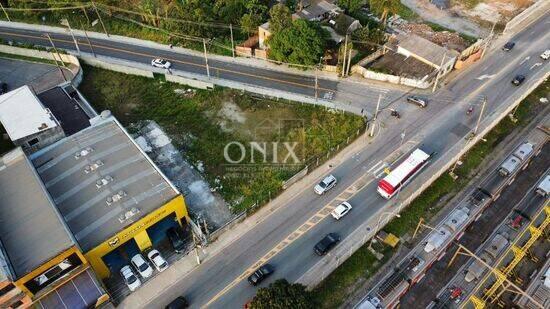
(201, 125)
(406, 13)
(361, 265)
(333, 291)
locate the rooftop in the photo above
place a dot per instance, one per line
(316, 8)
(424, 48)
(101, 181)
(27, 213)
(22, 114)
(66, 109)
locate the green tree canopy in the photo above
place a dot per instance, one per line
(280, 18)
(351, 6)
(382, 7)
(301, 43)
(283, 295)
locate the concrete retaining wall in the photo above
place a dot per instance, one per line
(105, 63)
(423, 83)
(189, 82)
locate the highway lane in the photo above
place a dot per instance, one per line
(297, 83)
(445, 114)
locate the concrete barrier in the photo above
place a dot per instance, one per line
(536, 10)
(111, 64)
(394, 79)
(189, 81)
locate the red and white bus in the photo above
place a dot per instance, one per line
(403, 173)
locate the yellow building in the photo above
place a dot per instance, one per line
(112, 197)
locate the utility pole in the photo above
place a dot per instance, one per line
(349, 61)
(316, 83)
(490, 37)
(100, 20)
(345, 54)
(206, 58)
(480, 115)
(232, 42)
(86, 14)
(196, 249)
(55, 49)
(65, 22)
(88, 39)
(5, 13)
(375, 115)
(439, 72)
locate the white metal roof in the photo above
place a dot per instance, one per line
(396, 176)
(22, 114)
(545, 184)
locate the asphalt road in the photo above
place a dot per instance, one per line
(302, 84)
(438, 127)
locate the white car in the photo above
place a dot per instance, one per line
(161, 63)
(157, 260)
(546, 54)
(140, 264)
(326, 184)
(341, 210)
(131, 280)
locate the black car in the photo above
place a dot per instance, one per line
(260, 274)
(518, 80)
(327, 243)
(3, 87)
(177, 240)
(417, 101)
(179, 303)
(508, 46)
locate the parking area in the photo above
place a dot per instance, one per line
(123, 254)
(39, 76)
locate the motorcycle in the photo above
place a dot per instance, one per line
(395, 114)
(470, 110)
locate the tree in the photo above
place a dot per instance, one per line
(250, 22)
(301, 43)
(351, 6)
(280, 18)
(282, 295)
(383, 7)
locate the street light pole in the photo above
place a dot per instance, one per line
(55, 49)
(480, 115)
(371, 134)
(65, 22)
(232, 42)
(490, 37)
(5, 13)
(206, 58)
(439, 72)
(100, 20)
(88, 39)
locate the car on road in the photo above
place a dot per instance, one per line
(260, 274)
(518, 80)
(326, 244)
(161, 63)
(3, 87)
(508, 46)
(131, 280)
(176, 238)
(545, 55)
(157, 260)
(140, 264)
(179, 303)
(417, 101)
(326, 184)
(341, 210)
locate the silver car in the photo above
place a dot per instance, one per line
(326, 184)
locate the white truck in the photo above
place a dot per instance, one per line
(521, 154)
(543, 189)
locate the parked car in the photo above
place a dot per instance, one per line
(341, 210)
(326, 244)
(179, 303)
(161, 63)
(157, 260)
(326, 184)
(518, 80)
(417, 101)
(3, 87)
(260, 274)
(545, 55)
(177, 240)
(131, 280)
(140, 264)
(508, 46)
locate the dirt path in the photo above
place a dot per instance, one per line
(431, 13)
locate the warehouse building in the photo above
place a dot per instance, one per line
(40, 259)
(112, 197)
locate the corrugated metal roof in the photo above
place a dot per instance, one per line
(101, 182)
(31, 230)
